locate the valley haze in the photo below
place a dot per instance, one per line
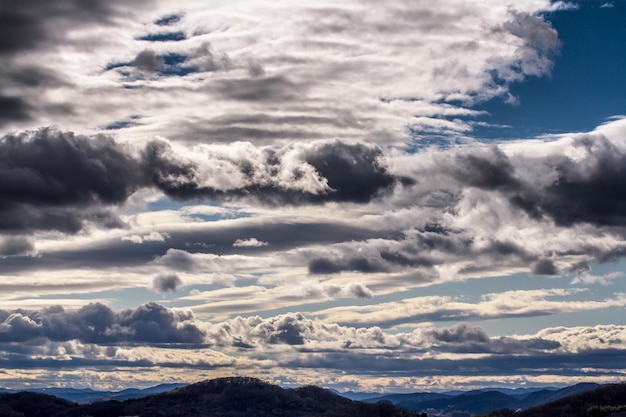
(391, 196)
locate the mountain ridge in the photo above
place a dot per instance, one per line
(482, 400)
(222, 397)
(244, 396)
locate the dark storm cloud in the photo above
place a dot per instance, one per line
(28, 24)
(21, 89)
(166, 283)
(352, 171)
(590, 189)
(52, 180)
(489, 170)
(544, 267)
(322, 266)
(29, 76)
(14, 109)
(96, 323)
(16, 246)
(465, 339)
(459, 333)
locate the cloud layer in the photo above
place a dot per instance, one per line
(294, 191)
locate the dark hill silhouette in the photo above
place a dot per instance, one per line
(605, 401)
(32, 404)
(224, 397)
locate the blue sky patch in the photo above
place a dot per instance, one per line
(164, 37)
(168, 20)
(588, 81)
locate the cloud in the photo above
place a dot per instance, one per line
(249, 243)
(354, 289)
(301, 174)
(150, 237)
(295, 343)
(325, 165)
(57, 181)
(14, 108)
(96, 323)
(17, 246)
(459, 333)
(192, 57)
(508, 304)
(589, 279)
(568, 190)
(544, 267)
(359, 264)
(147, 60)
(27, 26)
(166, 283)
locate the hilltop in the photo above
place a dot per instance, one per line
(605, 401)
(223, 397)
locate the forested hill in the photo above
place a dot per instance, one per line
(605, 401)
(232, 397)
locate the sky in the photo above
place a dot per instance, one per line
(372, 196)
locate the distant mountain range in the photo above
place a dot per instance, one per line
(84, 396)
(480, 401)
(243, 397)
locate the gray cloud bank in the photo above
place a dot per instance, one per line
(96, 323)
(53, 180)
(96, 336)
(59, 181)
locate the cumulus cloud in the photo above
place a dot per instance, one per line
(96, 336)
(57, 181)
(354, 289)
(313, 173)
(166, 283)
(607, 279)
(147, 60)
(249, 243)
(150, 237)
(544, 267)
(97, 323)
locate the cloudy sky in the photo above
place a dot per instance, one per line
(399, 196)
